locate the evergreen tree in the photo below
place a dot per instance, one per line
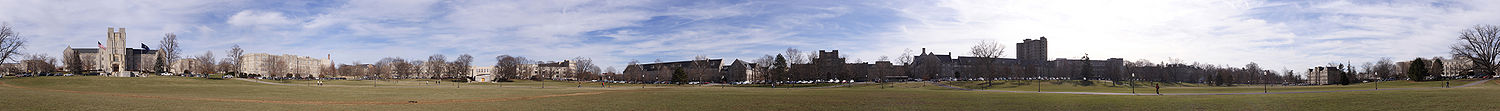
(678, 76)
(1417, 71)
(779, 69)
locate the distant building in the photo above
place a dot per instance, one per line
(285, 65)
(1457, 66)
(555, 70)
(1032, 51)
(1327, 75)
(114, 58)
(694, 70)
(482, 73)
(183, 66)
(1030, 62)
(738, 71)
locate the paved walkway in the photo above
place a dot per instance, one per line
(1104, 93)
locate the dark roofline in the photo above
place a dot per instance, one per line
(677, 62)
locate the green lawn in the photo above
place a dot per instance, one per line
(166, 93)
(1104, 86)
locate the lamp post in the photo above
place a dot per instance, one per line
(643, 80)
(1132, 83)
(1039, 80)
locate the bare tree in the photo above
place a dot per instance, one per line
(73, 63)
(10, 42)
(1480, 45)
(169, 50)
(1384, 69)
(205, 63)
(381, 68)
(274, 66)
(794, 56)
(226, 64)
(906, 57)
(987, 49)
(586, 67)
(237, 55)
(509, 66)
(762, 70)
(436, 65)
(38, 63)
(460, 66)
(407, 68)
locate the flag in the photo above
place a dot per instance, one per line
(101, 45)
(143, 46)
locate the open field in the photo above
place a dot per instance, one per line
(1104, 86)
(178, 93)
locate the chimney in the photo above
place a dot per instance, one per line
(924, 50)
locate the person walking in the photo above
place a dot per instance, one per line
(1158, 88)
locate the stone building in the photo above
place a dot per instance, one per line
(183, 66)
(694, 70)
(285, 65)
(555, 70)
(1030, 62)
(1457, 66)
(739, 71)
(114, 58)
(1326, 75)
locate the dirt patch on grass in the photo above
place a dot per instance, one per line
(326, 102)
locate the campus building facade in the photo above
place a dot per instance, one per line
(114, 58)
(1030, 62)
(285, 65)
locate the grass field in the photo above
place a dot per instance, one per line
(178, 93)
(1104, 86)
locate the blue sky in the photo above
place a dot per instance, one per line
(1276, 34)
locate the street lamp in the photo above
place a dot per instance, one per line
(1132, 83)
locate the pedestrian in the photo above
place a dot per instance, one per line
(1158, 88)
(1445, 84)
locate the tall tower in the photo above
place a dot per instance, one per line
(114, 53)
(1032, 51)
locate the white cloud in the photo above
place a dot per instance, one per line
(1292, 34)
(1216, 32)
(51, 25)
(251, 18)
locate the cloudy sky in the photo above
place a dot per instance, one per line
(1292, 34)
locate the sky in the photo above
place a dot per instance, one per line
(1276, 34)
